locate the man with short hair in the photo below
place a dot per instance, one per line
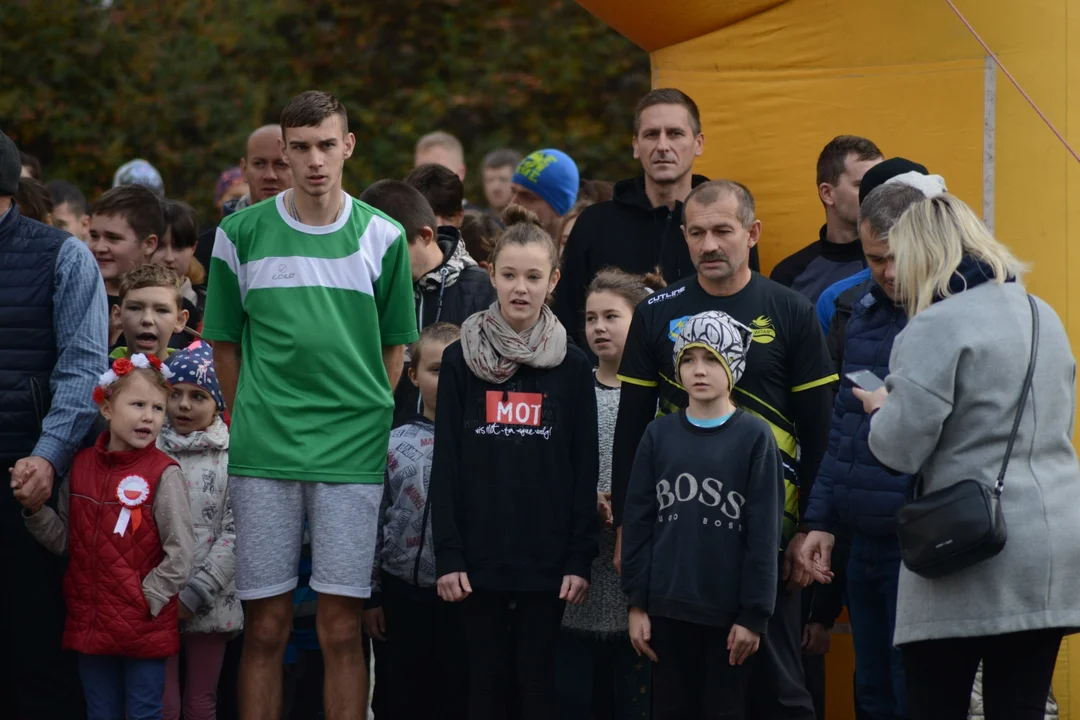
(69, 209)
(498, 168)
(836, 254)
(443, 191)
(266, 172)
(546, 182)
(441, 148)
(316, 286)
(638, 230)
(53, 328)
(787, 382)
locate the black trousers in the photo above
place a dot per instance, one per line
(777, 686)
(41, 679)
(1017, 671)
(511, 641)
(693, 678)
(422, 664)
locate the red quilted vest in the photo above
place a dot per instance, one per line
(107, 613)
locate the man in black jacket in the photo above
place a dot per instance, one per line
(639, 229)
(449, 285)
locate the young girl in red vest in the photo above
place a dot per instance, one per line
(125, 522)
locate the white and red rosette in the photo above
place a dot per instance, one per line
(132, 492)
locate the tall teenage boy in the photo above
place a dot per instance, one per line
(316, 287)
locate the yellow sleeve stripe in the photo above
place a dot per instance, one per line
(816, 383)
(635, 381)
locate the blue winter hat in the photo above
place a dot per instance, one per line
(140, 172)
(194, 365)
(551, 174)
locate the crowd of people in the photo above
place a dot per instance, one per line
(566, 455)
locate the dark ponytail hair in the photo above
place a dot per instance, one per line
(523, 228)
(631, 288)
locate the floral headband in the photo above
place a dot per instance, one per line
(124, 366)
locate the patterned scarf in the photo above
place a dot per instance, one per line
(494, 351)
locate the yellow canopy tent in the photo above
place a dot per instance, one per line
(777, 79)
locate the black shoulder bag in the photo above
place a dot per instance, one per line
(963, 524)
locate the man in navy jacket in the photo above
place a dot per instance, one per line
(854, 495)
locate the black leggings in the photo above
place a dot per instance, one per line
(511, 639)
(1017, 671)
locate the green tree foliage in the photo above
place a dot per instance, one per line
(90, 84)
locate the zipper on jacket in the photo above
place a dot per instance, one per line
(658, 258)
(38, 399)
(423, 537)
(94, 548)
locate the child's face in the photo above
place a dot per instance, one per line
(191, 408)
(523, 278)
(149, 317)
(607, 321)
(703, 375)
(135, 413)
(172, 257)
(117, 248)
(426, 375)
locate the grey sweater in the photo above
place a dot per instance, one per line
(956, 375)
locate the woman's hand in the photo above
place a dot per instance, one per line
(617, 560)
(641, 633)
(871, 401)
(374, 621)
(815, 556)
(603, 509)
(574, 589)
(454, 587)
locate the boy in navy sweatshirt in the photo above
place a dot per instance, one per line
(701, 529)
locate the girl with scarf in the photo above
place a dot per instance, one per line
(514, 477)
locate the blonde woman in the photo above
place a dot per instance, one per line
(952, 394)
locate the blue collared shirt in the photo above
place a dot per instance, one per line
(81, 326)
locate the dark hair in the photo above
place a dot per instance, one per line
(668, 96)
(631, 288)
(832, 161)
(523, 228)
(137, 204)
(64, 193)
(152, 275)
(885, 204)
(402, 202)
(33, 199)
(596, 191)
(479, 233)
(441, 186)
(183, 221)
(29, 161)
(709, 192)
(443, 332)
(503, 157)
(309, 109)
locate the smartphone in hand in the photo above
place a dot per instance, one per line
(865, 380)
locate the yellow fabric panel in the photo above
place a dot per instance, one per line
(654, 25)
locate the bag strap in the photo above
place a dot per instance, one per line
(1023, 395)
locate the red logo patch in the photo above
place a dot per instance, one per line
(514, 408)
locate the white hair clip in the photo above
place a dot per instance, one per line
(929, 185)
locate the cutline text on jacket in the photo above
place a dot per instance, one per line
(665, 296)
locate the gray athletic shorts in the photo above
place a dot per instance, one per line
(342, 519)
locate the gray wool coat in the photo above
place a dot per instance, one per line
(956, 373)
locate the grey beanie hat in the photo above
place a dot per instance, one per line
(724, 336)
(10, 166)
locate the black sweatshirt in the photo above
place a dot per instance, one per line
(702, 519)
(817, 266)
(513, 481)
(788, 379)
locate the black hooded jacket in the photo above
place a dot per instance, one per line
(626, 232)
(450, 293)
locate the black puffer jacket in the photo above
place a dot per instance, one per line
(626, 232)
(450, 293)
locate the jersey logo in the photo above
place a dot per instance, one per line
(665, 296)
(514, 408)
(675, 327)
(762, 329)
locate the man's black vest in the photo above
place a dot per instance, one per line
(28, 253)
